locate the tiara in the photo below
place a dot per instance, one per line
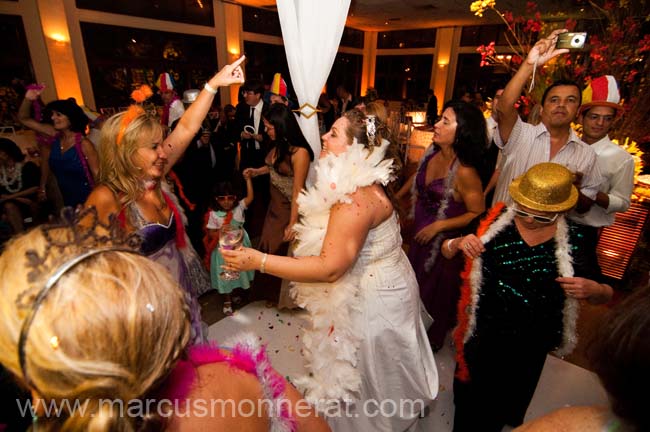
(81, 243)
(371, 129)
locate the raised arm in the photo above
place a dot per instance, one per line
(346, 233)
(250, 194)
(542, 52)
(189, 124)
(25, 117)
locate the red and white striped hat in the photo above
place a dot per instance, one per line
(165, 82)
(601, 91)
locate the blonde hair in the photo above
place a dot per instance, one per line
(116, 161)
(110, 329)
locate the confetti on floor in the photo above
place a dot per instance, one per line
(562, 383)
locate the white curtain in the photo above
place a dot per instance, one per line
(312, 31)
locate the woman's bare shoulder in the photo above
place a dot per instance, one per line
(218, 393)
(570, 419)
(104, 200)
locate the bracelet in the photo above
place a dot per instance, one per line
(263, 263)
(449, 245)
(207, 87)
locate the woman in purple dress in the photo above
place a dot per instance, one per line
(447, 195)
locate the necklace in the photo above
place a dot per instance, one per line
(12, 176)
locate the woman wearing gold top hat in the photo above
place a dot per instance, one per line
(523, 279)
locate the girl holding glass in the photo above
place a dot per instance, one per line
(226, 222)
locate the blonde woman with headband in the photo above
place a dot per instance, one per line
(367, 343)
(101, 332)
(134, 158)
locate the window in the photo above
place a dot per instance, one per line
(131, 57)
(16, 70)
(264, 60)
(471, 77)
(14, 55)
(352, 38)
(401, 77)
(256, 20)
(483, 35)
(186, 11)
(421, 38)
(346, 71)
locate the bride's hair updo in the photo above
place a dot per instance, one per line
(358, 128)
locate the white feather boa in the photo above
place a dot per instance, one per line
(331, 342)
(564, 267)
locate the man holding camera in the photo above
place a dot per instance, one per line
(552, 140)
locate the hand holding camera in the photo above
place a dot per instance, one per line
(571, 40)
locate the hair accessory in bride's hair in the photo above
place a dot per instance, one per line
(61, 255)
(371, 130)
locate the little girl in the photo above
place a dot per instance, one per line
(225, 210)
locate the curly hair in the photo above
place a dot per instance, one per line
(117, 169)
(471, 141)
(357, 129)
(121, 323)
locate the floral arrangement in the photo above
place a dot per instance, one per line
(619, 45)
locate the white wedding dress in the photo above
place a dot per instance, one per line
(365, 348)
(395, 360)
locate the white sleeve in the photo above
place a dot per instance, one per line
(621, 187)
(214, 221)
(238, 212)
(515, 140)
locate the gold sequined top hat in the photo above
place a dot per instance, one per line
(546, 187)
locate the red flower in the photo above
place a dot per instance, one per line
(570, 24)
(531, 7)
(631, 75)
(644, 44)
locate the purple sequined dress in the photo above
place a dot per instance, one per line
(440, 285)
(159, 245)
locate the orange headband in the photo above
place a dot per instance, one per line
(139, 95)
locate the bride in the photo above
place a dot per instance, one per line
(366, 347)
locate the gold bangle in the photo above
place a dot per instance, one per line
(262, 270)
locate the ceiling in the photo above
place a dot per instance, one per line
(383, 15)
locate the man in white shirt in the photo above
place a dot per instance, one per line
(552, 140)
(598, 113)
(599, 110)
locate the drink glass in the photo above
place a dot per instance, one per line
(230, 238)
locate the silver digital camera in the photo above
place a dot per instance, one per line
(571, 40)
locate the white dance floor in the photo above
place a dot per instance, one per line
(562, 383)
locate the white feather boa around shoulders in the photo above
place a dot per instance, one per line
(331, 342)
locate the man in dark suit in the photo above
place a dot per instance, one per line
(253, 147)
(253, 138)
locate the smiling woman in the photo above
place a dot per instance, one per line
(134, 160)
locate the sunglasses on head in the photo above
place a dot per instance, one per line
(227, 197)
(537, 218)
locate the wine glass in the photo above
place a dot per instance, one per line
(230, 238)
